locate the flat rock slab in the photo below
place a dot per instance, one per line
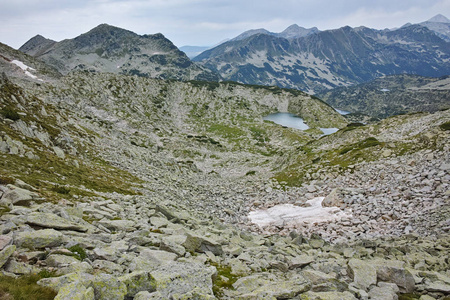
(39, 239)
(49, 220)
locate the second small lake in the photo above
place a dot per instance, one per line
(294, 121)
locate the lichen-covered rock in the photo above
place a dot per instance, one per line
(6, 253)
(18, 196)
(137, 282)
(391, 271)
(20, 268)
(5, 240)
(363, 273)
(75, 291)
(108, 287)
(118, 225)
(328, 296)
(49, 220)
(39, 239)
(197, 243)
(150, 259)
(56, 283)
(183, 277)
(60, 260)
(269, 286)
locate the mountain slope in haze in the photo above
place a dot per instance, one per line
(111, 49)
(20, 65)
(291, 32)
(440, 25)
(331, 58)
(392, 95)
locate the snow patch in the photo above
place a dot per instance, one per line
(288, 214)
(25, 68)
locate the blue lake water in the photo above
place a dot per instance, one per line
(294, 121)
(288, 120)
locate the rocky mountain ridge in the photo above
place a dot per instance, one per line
(329, 59)
(106, 48)
(125, 187)
(392, 95)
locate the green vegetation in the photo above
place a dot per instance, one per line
(369, 142)
(445, 126)
(61, 190)
(25, 287)
(252, 172)
(78, 252)
(223, 280)
(4, 180)
(10, 113)
(226, 131)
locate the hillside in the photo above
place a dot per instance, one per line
(106, 48)
(115, 186)
(392, 95)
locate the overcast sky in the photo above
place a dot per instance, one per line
(203, 22)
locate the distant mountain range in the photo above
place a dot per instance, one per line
(111, 49)
(315, 61)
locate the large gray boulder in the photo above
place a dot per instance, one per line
(18, 196)
(49, 220)
(364, 274)
(6, 253)
(39, 239)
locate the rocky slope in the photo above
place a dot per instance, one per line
(110, 49)
(392, 95)
(329, 59)
(124, 187)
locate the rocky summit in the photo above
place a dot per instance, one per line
(118, 186)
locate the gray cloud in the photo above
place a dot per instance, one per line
(202, 22)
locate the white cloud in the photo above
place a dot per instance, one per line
(202, 22)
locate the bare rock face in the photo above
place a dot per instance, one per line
(334, 199)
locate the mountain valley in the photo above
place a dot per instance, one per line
(139, 182)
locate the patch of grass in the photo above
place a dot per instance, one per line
(61, 189)
(445, 126)
(6, 180)
(223, 280)
(10, 113)
(25, 287)
(252, 172)
(226, 131)
(78, 252)
(369, 142)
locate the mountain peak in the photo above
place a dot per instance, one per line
(439, 19)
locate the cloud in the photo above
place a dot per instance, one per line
(202, 22)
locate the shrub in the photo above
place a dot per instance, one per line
(78, 252)
(445, 126)
(6, 180)
(9, 113)
(61, 189)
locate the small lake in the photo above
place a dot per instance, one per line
(294, 121)
(288, 120)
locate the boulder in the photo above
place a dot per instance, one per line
(49, 220)
(6, 253)
(75, 291)
(196, 243)
(60, 260)
(5, 240)
(390, 271)
(269, 286)
(364, 274)
(107, 287)
(334, 199)
(137, 282)
(150, 259)
(18, 196)
(179, 278)
(39, 239)
(118, 225)
(300, 261)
